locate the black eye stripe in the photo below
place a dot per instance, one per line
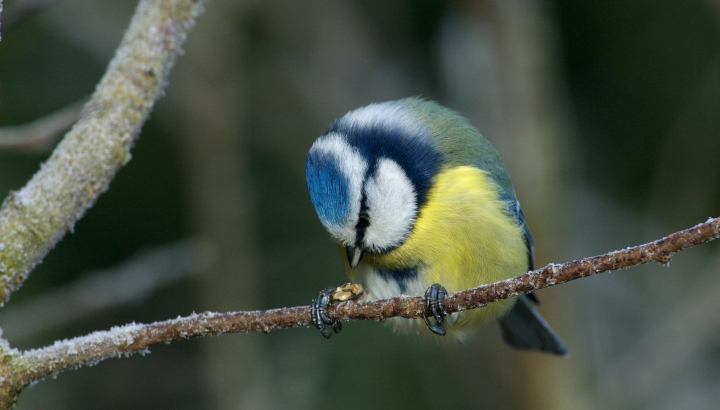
(363, 222)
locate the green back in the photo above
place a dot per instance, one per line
(460, 142)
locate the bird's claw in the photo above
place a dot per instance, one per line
(319, 313)
(434, 304)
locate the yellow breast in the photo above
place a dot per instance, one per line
(462, 238)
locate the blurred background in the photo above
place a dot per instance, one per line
(605, 112)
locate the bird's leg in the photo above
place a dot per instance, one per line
(319, 306)
(319, 312)
(434, 303)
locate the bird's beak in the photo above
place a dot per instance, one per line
(354, 254)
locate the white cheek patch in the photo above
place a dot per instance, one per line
(353, 167)
(392, 206)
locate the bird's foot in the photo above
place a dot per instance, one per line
(319, 306)
(434, 304)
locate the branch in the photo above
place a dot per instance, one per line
(22, 10)
(137, 337)
(40, 134)
(35, 218)
(133, 281)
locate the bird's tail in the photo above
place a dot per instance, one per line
(524, 328)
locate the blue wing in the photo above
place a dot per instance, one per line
(528, 238)
(523, 327)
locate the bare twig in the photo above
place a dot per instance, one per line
(137, 337)
(35, 218)
(23, 10)
(39, 135)
(134, 280)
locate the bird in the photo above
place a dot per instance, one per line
(421, 204)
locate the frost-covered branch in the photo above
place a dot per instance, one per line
(35, 218)
(137, 337)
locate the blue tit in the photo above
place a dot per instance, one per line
(421, 204)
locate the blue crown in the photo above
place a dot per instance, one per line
(328, 188)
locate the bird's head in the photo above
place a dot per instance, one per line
(368, 177)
